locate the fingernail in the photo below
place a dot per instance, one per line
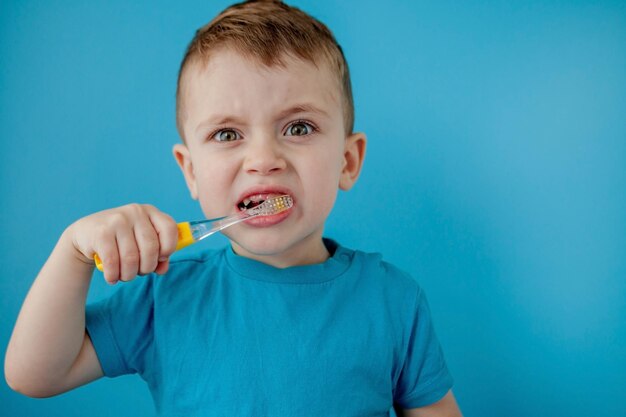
(163, 259)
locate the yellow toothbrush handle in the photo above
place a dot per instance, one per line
(98, 262)
(185, 238)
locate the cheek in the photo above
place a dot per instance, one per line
(213, 185)
(322, 182)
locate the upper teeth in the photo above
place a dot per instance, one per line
(258, 198)
(252, 199)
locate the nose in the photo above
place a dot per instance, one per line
(264, 156)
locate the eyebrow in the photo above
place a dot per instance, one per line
(220, 119)
(302, 108)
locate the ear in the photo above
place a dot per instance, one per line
(183, 158)
(353, 156)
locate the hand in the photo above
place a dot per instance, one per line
(131, 240)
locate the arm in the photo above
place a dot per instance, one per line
(446, 407)
(50, 351)
(49, 335)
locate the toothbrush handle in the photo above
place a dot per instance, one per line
(224, 222)
(185, 235)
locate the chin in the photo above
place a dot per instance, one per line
(260, 245)
(269, 249)
(275, 244)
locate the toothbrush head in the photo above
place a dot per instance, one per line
(272, 206)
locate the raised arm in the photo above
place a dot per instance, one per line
(49, 351)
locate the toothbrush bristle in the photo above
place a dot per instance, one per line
(275, 205)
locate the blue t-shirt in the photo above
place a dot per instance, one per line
(222, 334)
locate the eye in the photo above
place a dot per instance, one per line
(225, 135)
(300, 128)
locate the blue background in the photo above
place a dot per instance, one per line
(495, 174)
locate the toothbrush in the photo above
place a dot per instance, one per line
(194, 231)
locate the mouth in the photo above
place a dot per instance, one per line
(256, 196)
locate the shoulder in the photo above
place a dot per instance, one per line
(389, 281)
(373, 264)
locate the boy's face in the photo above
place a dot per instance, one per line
(253, 132)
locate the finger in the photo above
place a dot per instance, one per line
(106, 248)
(147, 243)
(167, 232)
(129, 254)
(162, 267)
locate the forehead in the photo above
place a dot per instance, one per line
(232, 83)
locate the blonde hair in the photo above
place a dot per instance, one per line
(267, 32)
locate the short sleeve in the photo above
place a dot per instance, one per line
(424, 377)
(121, 327)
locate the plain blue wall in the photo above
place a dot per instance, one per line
(496, 174)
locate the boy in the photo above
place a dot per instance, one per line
(283, 322)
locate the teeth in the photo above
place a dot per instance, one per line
(260, 197)
(246, 202)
